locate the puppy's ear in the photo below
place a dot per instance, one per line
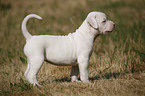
(92, 22)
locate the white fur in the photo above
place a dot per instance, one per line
(73, 49)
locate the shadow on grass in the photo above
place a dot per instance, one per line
(107, 76)
(63, 79)
(97, 77)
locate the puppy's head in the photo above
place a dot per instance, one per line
(99, 22)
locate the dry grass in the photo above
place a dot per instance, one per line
(117, 65)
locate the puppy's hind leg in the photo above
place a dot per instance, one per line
(33, 68)
(27, 70)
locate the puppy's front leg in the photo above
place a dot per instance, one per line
(83, 62)
(74, 74)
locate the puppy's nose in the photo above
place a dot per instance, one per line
(113, 24)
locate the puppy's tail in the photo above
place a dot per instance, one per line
(25, 32)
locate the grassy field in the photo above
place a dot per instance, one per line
(117, 64)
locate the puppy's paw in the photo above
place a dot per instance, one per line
(74, 79)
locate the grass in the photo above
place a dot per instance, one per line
(117, 64)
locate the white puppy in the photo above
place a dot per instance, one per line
(73, 49)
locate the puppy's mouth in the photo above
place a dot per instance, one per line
(111, 28)
(108, 31)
